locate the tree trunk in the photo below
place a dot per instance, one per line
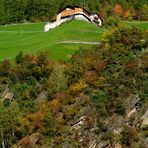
(3, 142)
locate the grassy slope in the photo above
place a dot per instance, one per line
(31, 38)
(140, 25)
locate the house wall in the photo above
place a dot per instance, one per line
(80, 17)
(55, 24)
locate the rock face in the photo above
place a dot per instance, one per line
(82, 133)
(114, 127)
(146, 142)
(7, 94)
(43, 96)
(144, 119)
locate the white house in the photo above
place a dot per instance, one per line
(69, 14)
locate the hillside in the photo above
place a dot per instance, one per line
(77, 85)
(30, 38)
(98, 99)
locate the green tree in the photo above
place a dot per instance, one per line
(19, 58)
(9, 119)
(2, 21)
(49, 126)
(100, 101)
(57, 79)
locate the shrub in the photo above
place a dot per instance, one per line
(120, 108)
(112, 21)
(130, 136)
(121, 36)
(34, 20)
(78, 87)
(100, 101)
(49, 125)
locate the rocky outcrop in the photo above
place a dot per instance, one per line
(7, 94)
(43, 96)
(144, 119)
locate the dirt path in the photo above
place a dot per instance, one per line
(5, 31)
(78, 42)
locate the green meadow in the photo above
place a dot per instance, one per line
(139, 24)
(30, 38)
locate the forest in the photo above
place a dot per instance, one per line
(15, 11)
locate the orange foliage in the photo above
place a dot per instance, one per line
(33, 59)
(127, 14)
(63, 98)
(90, 120)
(99, 66)
(90, 77)
(54, 104)
(30, 141)
(33, 121)
(118, 9)
(26, 142)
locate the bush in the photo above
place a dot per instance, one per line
(43, 18)
(49, 125)
(120, 108)
(112, 21)
(125, 37)
(34, 20)
(100, 100)
(130, 136)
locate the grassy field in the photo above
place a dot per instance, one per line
(30, 38)
(140, 25)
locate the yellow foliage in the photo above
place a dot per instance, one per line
(54, 104)
(25, 122)
(79, 86)
(86, 62)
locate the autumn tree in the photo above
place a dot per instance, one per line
(118, 9)
(130, 137)
(5, 67)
